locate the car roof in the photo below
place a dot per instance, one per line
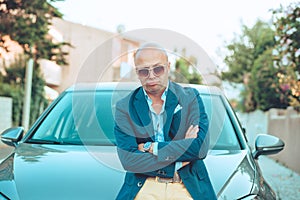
(127, 86)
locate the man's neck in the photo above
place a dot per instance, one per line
(155, 97)
(157, 101)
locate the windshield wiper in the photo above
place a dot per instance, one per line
(41, 141)
(104, 142)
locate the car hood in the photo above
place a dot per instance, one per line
(92, 172)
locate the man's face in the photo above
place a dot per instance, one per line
(152, 68)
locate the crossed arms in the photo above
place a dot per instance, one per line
(191, 143)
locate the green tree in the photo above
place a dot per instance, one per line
(245, 49)
(287, 57)
(250, 63)
(12, 85)
(266, 86)
(28, 23)
(185, 72)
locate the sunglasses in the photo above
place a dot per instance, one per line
(145, 72)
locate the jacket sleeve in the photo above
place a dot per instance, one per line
(131, 158)
(188, 149)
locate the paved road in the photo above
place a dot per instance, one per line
(284, 181)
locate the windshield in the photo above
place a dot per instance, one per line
(86, 117)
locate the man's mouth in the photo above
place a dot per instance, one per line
(152, 83)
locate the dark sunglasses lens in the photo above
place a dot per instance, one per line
(143, 72)
(159, 70)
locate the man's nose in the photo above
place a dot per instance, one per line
(151, 74)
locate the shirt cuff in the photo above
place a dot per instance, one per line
(155, 148)
(178, 165)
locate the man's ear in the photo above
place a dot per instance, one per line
(169, 66)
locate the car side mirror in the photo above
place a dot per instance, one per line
(267, 145)
(12, 136)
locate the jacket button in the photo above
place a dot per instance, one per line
(139, 184)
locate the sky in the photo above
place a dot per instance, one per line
(210, 23)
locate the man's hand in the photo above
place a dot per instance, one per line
(192, 132)
(141, 147)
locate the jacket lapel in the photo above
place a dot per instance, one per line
(142, 109)
(171, 103)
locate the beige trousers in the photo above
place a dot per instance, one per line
(153, 190)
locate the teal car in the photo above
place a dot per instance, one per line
(70, 152)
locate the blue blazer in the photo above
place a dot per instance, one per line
(133, 125)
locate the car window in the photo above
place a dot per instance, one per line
(221, 130)
(87, 118)
(79, 118)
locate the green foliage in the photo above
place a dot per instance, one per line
(181, 71)
(195, 78)
(267, 61)
(287, 24)
(12, 85)
(239, 62)
(266, 93)
(245, 49)
(27, 22)
(185, 72)
(250, 62)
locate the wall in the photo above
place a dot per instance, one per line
(5, 122)
(285, 124)
(95, 56)
(5, 113)
(255, 123)
(87, 62)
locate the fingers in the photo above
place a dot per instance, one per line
(192, 131)
(188, 132)
(195, 129)
(141, 147)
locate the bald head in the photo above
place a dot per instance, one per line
(150, 49)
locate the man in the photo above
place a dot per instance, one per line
(161, 133)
